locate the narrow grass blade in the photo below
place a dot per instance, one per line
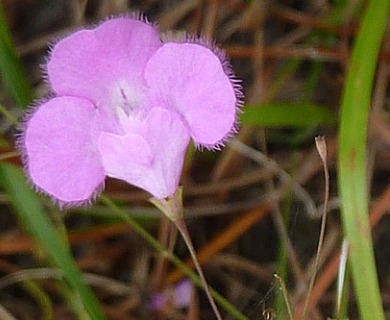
(33, 217)
(11, 118)
(11, 70)
(352, 158)
(287, 115)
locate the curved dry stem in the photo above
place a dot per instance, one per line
(321, 148)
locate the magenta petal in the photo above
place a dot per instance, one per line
(192, 79)
(126, 157)
(168, 137)
(60, 153)
(152, 158)
(105, 64)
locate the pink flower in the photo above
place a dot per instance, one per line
(125, 105)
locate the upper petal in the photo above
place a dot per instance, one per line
(104, 64)
(191, 79)
(152, 158)
(59, 149)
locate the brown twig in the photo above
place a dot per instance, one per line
(325, 279)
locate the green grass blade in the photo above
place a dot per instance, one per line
(11, 118)
(352, 158)
(287, 115)
(33, 217)
(11, 70)
(312, 80)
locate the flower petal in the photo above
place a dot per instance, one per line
(152, 158)
(190, 78)
(126, 157)
(60, 150)
(105, 64)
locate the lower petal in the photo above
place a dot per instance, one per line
(168, 137)
(60, 150)
(151, 159)
(127, 157)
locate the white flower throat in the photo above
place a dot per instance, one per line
(126, 101)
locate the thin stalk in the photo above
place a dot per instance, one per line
(167, 235)
(181, 226)
(172, 207)
(9, 155)
(285, 295)
(321, 148)
(225, 304)
(41, 297)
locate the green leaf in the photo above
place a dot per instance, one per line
(287, 115)
(352, 164)
(33, 217)
(11, 70)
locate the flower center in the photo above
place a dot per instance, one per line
(126, 105)
(126, 100)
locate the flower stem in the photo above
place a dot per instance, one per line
(225, 304)
(172, 207)
(181, 226)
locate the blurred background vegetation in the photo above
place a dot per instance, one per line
(253, 209)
